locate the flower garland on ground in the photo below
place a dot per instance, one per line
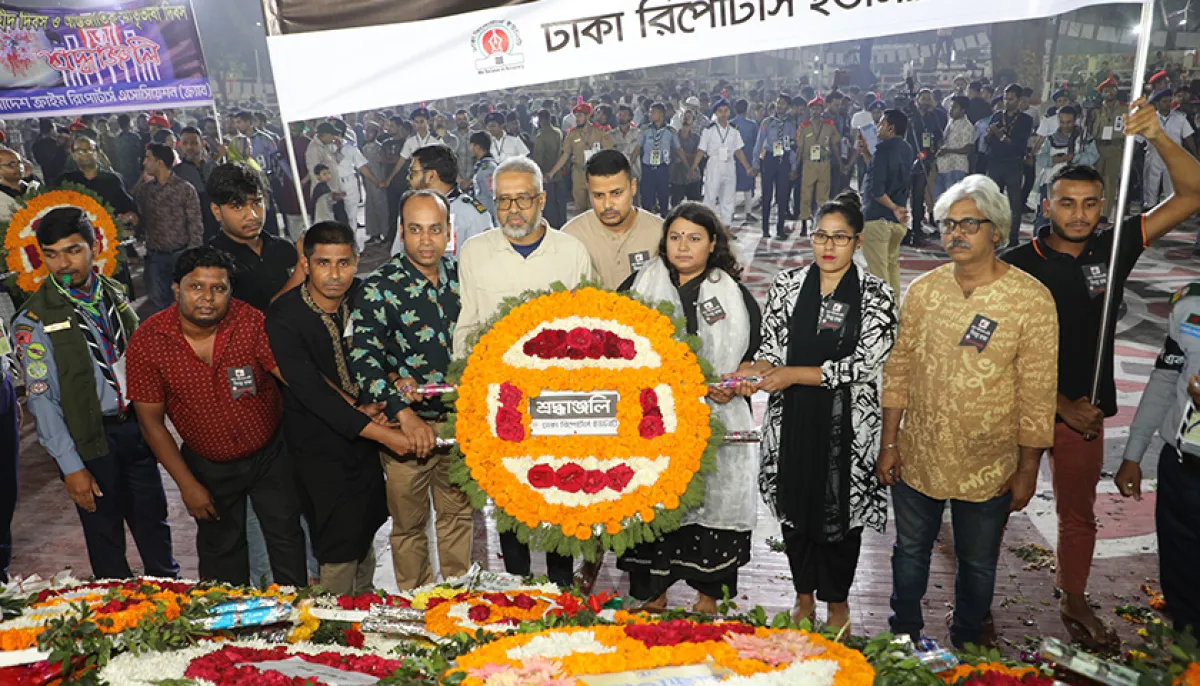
(20, 244)
(227, 663)
(487, 612)
(994, 674)
(576, 494)
(758, 655)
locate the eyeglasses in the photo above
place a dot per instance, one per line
(841, 240)
(413, 171)
(523, 202)
(12, 165)
(969, 225)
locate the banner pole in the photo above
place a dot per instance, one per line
(1107, 319)
(295, 165)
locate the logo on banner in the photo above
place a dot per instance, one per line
(496, 44)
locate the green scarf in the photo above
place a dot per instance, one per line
(76, 380)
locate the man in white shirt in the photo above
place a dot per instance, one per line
(420, 138)
(435, 167)
(351, 163)
(958, 141)
(522, 254)
(721, 143)
(1156, 182)
(504, 146)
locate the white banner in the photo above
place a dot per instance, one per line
(330, 72)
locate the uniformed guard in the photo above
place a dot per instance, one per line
(10, 447)
(749, 130)
(70, 338)
(774, 158)
(485, 168)
(658, 143)
(815, 140)
(435, 167)
(1108, 130)
(1169, 405)
(579, 144)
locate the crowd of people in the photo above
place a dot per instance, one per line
(290, 379)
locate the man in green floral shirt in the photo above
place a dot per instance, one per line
(403, 330)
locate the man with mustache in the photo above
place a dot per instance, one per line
(71, 337)
(523, 254)
(619, 237)
(334, 445)
(1071, 258)
(205, 362)
(971, 378)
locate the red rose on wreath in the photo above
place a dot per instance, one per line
(511, 433)
(579, 338)
(509, 394)
(594, 481)
(648, 398)
(524, 602)
(569, 477)
(619, 477)
(651, 426)
(353, 638)
(541, 476)
(498, 599)
(626, 350)
(652, 412)
(479, 613)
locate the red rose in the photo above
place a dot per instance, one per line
(652, 412)
(509, 394)
(345, 602)
(479, 613)
(498, 599)
(619, 477)
(651, 427)
(434, 602)
(541, 476)
(524, 602)
(534, 348)
(595, 351)
(594, 481)
(576, 353)
(649, 398)
(513, 433)
(569, 477)
(579, 338)
(353, 638)
(554, 337)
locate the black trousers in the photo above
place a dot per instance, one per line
(795, 206)
(10, 446)
(1177, 516)
(560, 568)
(1028, 176)
(645, 586)
(686, 191)
(916, 199)
(775, 184)
(826, 568)
(266, 476)
(128, 477)
(1008, 175)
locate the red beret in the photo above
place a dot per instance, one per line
(1110, 81)
(158, 119)
(816, 101)
(583, 107)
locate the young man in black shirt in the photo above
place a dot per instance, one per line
(266, 265)
(1071, 258)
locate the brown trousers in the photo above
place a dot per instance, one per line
(410, 483)
(350, 578)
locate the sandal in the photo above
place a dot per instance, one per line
(654, 607)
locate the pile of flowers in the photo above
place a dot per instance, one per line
(577, 494)
(471, 613)
(754, 655)
(994, 674)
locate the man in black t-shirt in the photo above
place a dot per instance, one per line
(1072, 260)
(266, 265)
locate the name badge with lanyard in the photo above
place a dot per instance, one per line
(1096, 278)
(979, 333)
(723, 152)
(926, 140)
(833, 315)
(777, 149)
(241, 381)
(656, 155)
(712, 311)
(814, 151)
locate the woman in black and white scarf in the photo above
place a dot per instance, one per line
(827, 330)
(697, 272)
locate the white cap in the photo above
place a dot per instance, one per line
(692, 101)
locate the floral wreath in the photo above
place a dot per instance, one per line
(471, 613)
(567, 492)
(753, 655)
(22, 255)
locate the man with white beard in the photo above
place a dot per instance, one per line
(524, 254)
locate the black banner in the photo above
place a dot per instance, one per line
(302, 16)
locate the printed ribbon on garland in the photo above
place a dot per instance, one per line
(22, 255)
(581, 414)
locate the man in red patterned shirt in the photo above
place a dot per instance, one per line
(206, 363)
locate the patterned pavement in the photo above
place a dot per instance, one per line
(47, 536)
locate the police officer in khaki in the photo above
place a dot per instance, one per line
(814, 145)
(578, 146)
(1108, 130)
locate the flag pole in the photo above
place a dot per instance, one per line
(295, 165)
(1107, 320)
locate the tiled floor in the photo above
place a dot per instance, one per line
(47, 535)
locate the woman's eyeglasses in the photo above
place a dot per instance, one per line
(841, 240)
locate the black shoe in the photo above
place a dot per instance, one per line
(783, 235)
(766, 234)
